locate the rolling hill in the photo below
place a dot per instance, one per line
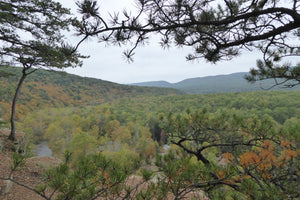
(54, 89)
(215, 84)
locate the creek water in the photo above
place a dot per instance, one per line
(42, 149)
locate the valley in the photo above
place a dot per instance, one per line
(129, 126)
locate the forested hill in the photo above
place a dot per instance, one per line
(215, 84)
(62, 89)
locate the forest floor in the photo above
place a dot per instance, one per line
(31, 173)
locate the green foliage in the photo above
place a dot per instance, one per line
(291, 129)
(126, 130)
(87, 177)
(235, 153)
(125, 156)
(160, 115)
(82, 143)
(224, 152)
(43, 44)
(5, 74)
(145, 146)
(34, 41)
(180, 175)
(146, 174)
(17, 161)
(2, 123)
(284, 75)
(229, 146)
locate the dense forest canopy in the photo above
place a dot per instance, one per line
(236, 126)
(215, 30)
(56, 89)
(132, 125)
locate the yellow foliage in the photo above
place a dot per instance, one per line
(146, 147)
(82, 143)
(112, 126)
(121, 134)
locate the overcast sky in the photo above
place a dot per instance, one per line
(151, 62)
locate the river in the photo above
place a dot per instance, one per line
(42, 149)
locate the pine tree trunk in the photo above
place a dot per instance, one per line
(13, 107)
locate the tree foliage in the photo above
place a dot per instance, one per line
(249, 156)
(215, 30)
(234, 152)
(86, 177)
(224, 146)
(31, 37)
(46, 88)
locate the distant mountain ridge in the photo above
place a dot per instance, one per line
(216, 84)
(165, 84)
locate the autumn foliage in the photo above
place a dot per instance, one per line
(236, 145)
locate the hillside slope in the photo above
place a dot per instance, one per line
(54, 89)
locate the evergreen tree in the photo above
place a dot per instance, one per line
(215, 30)
(31, 37)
